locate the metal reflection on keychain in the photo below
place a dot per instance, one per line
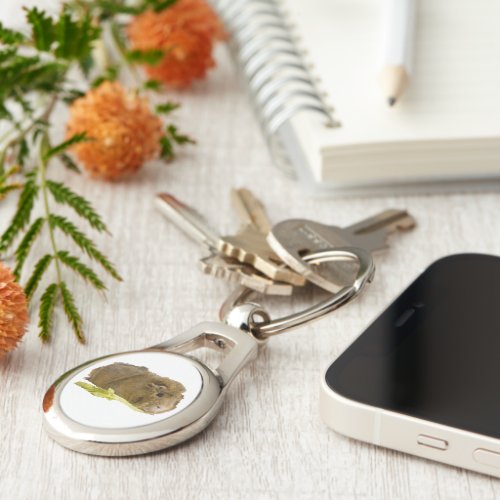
(138, 402)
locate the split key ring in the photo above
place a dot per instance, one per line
(235, 310)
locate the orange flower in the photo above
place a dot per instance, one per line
(13, 311)
(186, 32)
(124, 132)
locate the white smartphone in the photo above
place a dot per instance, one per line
(424, 378)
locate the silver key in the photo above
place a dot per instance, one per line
(188, 220)
(197, 228)
(292, 239)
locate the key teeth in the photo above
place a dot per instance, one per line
(235, 252)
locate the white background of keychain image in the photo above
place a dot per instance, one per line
(87, 409)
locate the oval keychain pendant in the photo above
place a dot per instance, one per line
(142, 401)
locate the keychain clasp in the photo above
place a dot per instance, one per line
(265, 327)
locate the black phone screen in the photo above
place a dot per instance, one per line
(435, 352)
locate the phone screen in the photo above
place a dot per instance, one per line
(435, 352)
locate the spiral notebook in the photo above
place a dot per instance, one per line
(311, 68)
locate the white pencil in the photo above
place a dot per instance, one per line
(399, 30)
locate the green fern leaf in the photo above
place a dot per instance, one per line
(46, 312)
(88, 246)
(10, 37)
(167, 149)
(72, 313)
(167, 107)
(81, 269)
(5, 190)
(40, 267)
(179, 138)
(22, 216)
(150, 57)
(64, 195)
(26, 243)
(60, 148)
(159, 5)
(75, 35)
(43, 32)
(68, 162)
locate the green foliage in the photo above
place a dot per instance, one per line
(179, 138)
(167, 107)
(71, 95)
(10, 37)
(22, 74)
(42, 28)
(22, 215)
(110, 8)
(159, 5)
(81, 269)
(110, 74)
(84, 243)
(6, 184)
(68, 162)
(64, 146)
(26, 244)
(75, 37)
(149, 57)
(22, 152)
(66, 37)
(74, 318)
(64, 195)
(167, 148)
(167, 141)
(152, 85)
(39, 270)
(46, 313)
(35, 71)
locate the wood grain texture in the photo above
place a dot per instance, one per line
(268, 441)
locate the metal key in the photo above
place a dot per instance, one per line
(235, 272)
(188, 220)
(292, 239)
(250, 210)
(250, 246)
(196, 227)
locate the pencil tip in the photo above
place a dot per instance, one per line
(391, 101)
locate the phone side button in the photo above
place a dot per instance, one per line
(487, 457)
(432, 442)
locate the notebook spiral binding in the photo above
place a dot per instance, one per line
(276, 73)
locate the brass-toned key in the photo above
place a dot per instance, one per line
(242, 274)
(250, 246)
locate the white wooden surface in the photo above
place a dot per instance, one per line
(268, 441)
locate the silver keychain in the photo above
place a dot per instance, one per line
(138, 402)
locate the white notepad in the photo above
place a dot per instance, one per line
(446, 127)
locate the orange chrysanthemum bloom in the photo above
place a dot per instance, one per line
(13, 311)
(124, 132)
(186, 32)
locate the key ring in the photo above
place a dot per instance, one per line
(239, 311)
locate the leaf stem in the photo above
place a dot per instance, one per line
(115, 35)
(43, 186)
